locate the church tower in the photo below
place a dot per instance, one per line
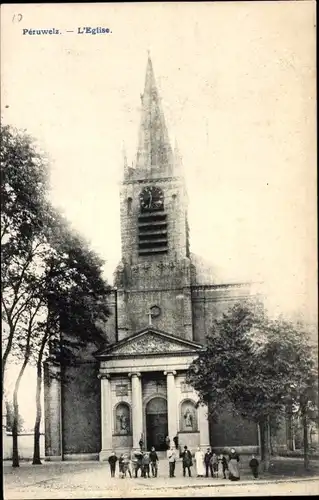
(154, 277)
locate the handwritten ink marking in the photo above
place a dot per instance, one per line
(88, 30)
(17, 18)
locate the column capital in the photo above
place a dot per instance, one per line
(132, 374)
(102, 376)
(170, 372)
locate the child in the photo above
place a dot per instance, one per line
(254, 464)
(121, 465)
(222, 466)
(146, 465)
(214, 464)
(112, 462)
(126, 467)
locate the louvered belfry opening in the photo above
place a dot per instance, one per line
(152, 232)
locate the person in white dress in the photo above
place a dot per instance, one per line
(199, 459)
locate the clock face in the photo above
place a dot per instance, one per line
(152, 198)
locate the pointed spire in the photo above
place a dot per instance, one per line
(124, 155)
(125, 165)
(154, 149)
(177, 157)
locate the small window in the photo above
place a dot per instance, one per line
(129, 205)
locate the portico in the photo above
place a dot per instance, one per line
(144, 394)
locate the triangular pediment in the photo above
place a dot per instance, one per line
(149, 341)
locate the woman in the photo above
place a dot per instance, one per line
(199, 459)
(233, 466)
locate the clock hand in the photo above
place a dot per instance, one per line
(150, 202)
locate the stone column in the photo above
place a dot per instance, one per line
(137, 409)
(171, 404)
(203, 426)
(53, 412)
(106, 416)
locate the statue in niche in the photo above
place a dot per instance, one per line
(188, 419)
(123, 422)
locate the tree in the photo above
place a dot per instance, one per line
(50, 277)
(302, 389)
(9, 418)
(24, 181)
(76, 305)
(254, 363)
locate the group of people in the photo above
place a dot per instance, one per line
(208, 464)
(145, 462)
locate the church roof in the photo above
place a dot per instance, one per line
(154, 149)
(149, 341)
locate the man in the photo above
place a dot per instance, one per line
(141, 443)
(208, 465)
(254, 465)
(175, 439)
(112, 462)
(121, 466)
(187, 461)
(171, 462)
(154, 462)
(168, 442)
(137, 464)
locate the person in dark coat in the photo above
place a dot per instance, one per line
(154, 462)
(187, 461)
(141, 443)
(175, 439)
(208, 465)
(112, 461)
(121, 465)
(137, 463)
(254, 465)
(223, 465)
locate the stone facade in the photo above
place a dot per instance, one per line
(147, 393)
(162, 309)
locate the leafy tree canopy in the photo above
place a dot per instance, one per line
(256, 363)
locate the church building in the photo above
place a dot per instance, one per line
(164, 300)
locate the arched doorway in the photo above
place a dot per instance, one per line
(156, 423)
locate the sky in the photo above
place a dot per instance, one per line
(237, 81)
